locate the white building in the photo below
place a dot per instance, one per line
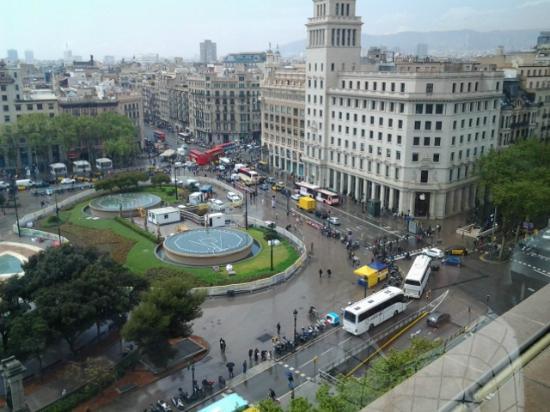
(407, 137)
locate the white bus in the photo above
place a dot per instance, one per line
(367, 313)
(307, 189)
(247, 176)
(328, 197)
(418, 276)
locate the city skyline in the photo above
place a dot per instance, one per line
(172, 28)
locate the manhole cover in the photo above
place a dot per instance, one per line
(264, 338)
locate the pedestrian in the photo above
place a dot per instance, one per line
(222, 345)
(428, 294)
(250, 353)
(329, 273)
(244, 367)
(278, 329)
(256, 354)
(230, 366)
(320, 273)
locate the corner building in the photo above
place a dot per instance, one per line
(408, 137)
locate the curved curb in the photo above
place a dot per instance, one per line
(261, 284)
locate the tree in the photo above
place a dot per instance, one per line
(517, 180)
(159, 179)
(3, 202)
(29, 337)
(122, 181)
(165, 312)
(267, 405)
(271, 233)
(74, 288)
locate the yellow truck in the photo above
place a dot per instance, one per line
(307, 203)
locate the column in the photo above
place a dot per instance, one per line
(458, 201)
(391, 205)
(431, 210)
(365, 190)
(411, 202)
(348, 190)
(372, 190)
(357, 193)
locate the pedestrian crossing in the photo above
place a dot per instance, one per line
(295, 371)
(532, 267)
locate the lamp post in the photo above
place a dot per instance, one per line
(295, 313)
(175, 178)
(14, 193)
(58, 221)
(245, 209)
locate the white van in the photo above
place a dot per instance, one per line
(216, 205)
(26, 183)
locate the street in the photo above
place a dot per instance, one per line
(248, 321)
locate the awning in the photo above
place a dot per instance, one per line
(364, 271)
(168, 153)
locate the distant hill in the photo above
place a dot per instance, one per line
(458, 42)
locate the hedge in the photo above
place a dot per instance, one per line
(137, 229)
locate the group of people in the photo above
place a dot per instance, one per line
(329, 273)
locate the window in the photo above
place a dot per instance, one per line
(454, 87)
(4, 98)
(428, 125)
(438, 125)
(438, 108)
(415, 157)
(437, 141)
(39, 106)
(436, 157)
(452, 156)
(419, 108)
(399, 138)
(402, 88)
(426, 141)
(423, 176)
(400, 124)
(417, 125)
(429, 108)
(429, 88)
(29, 106)
(6, 108)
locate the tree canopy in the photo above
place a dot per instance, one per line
(74, 288)
(166, 311)
(109, 133)
(518, 181)
(122, 181)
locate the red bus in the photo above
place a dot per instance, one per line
(198, 157)
(158, 135)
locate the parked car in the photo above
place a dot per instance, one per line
(264, 186)
(452, 261)
(295, 196)
(434, 253)
(270, 179)
(332, 318)
(437, 319)
(457, 251)
(323, 214)
(278, 186)
(234, 197)
(333, 220)
(67, 181)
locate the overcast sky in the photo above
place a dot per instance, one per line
(175, 27)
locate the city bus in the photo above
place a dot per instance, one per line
(364, 315)
(418, 276)
(307, 189)
(248, 177)
(159, 136)
(328, 197)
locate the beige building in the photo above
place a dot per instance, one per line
(14, 103)
(225, 106)
(408, 137)
(283, 119)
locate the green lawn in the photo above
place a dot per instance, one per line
(140, 257)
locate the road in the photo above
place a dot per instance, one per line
(248, 321)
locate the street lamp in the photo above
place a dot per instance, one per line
(175, 178)
(57, 216)
(295, 313)
(14, 193)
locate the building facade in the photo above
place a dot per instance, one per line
(224, 106)
(283, 119)
(518, 115)
(407, 137)
(208, 52)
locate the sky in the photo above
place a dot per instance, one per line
(176, 27)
